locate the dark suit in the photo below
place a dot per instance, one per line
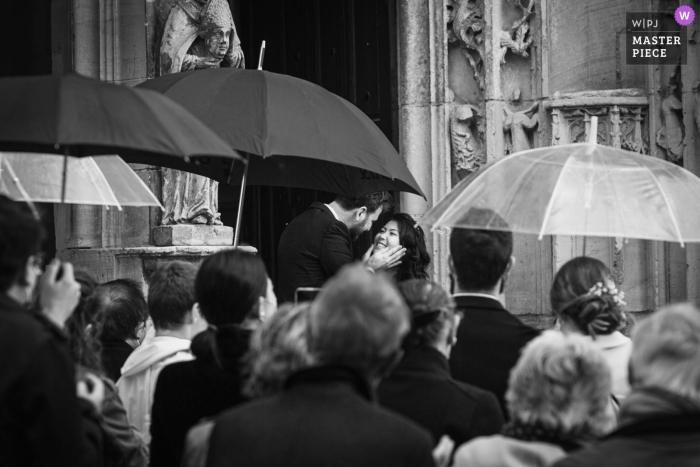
(489, 341)
(421, 388)
(42, 421)
(313, 247)
(324, 417)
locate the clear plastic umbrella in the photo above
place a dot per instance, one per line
(578, 189)
(103, 180)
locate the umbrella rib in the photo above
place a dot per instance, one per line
(20, 187)
(670, 209)
(104, 180)
(551, 201)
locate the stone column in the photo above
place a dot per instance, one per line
(424, 113)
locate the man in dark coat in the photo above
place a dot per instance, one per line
(421, 388)
(42, 421)
(489, 338)
(660, 418)
(317, 243)
(326, 415)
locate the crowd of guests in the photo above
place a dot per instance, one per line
(383, 367)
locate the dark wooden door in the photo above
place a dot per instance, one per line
(344, 46)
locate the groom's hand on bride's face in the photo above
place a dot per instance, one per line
(386, 258)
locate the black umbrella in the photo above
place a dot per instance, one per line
(79, 116)
(307, 136)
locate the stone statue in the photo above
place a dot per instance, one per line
(670, 136)
(466, 27)
(518, 38)
(467, 151)
(198, 34)
(517, 124)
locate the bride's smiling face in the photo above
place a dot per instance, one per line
(388, 237)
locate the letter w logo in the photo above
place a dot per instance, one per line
(685, 15)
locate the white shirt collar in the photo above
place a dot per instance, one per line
(332, 211)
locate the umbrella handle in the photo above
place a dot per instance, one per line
(239, 216)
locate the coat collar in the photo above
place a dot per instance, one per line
(670, 424)
(7, 303)
(424, 360)
(329, 375)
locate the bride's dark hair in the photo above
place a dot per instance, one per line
(414, 265)
(572, 300)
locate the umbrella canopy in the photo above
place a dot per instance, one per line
(578, 189)
(83, 117)
(104, 180)
(333, 144)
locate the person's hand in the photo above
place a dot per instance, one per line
(443, 451)
(58, 298)
(386, 258)
(207, 62)
(92, 389)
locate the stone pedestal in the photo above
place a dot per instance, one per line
(138, 263)
(193, 235)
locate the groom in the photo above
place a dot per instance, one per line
(317, 243)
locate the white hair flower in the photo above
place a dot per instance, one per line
(608, 288)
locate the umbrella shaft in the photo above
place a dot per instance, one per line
(239, 216)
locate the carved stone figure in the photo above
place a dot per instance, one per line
(670, 136)
(518, 38)
(517, 125)
(467, 150)
(466, 27)
(198, 34)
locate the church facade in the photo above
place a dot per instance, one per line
(454, 84)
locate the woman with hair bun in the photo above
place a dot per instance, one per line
(403, 230)
(234, 295)
(586, 301)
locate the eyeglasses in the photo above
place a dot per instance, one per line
(38, 260)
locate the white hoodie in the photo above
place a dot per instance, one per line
(140, 373)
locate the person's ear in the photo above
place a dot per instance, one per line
(511, 263)
(196, 313)
(361, 214)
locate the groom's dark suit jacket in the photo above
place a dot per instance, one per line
(313, 247)
(489, 341)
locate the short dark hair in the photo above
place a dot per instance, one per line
(121, 306)
(480, 257)
(171, 294)
(229, 286)
(228, 289)
(21, 235)
(372, 201)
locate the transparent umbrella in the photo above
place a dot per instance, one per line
(578, 189)
(103, 180)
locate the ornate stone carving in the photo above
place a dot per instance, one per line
(517, 126)
(622, 123)
(198, 34)
(466, 27)
(670, 137)
(518, 38)
(467, 148)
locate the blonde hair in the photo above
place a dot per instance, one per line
(562, 383)
(666, 351)
(278, 348)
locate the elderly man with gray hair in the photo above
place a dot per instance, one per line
(326, 414)
(660, 419)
